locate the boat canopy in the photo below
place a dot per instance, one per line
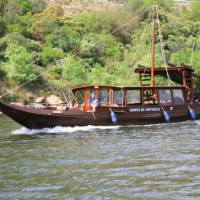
(179, 75)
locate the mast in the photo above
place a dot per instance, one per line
(154, 8)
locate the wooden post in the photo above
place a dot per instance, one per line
(111, 97)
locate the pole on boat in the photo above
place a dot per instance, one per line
(154, 8)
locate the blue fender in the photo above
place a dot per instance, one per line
(191, 113)
(166, 116)
(113, 116)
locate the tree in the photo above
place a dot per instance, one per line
(98, 75)
(64, 38)
(196, 9)
(11, 12)
(50, 54)
(37, 6)
(96, 47)
(2, 7)
(182, 56)
(19, 65)
(2, 27)
(24, 5)
(74, 71)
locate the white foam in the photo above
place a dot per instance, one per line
(60, 129)
(197, 122)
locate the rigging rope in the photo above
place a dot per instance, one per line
(192, 54)
(162, 45)
(62, 61)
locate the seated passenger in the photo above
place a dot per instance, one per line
(76, 105)
(67, 106)
(94, 102)
(92, 97)
(60, 108)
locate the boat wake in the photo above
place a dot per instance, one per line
(60, 129)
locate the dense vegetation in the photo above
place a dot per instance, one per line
(34, 38)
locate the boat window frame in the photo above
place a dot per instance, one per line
(126, 97)
(183, 95)
(120, 90)
(159, 97)
(75, 101)
(107, 102)
(151, 99)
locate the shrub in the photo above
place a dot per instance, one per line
(14, 28)
(50, 54)
(22, 41)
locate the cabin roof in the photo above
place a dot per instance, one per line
(174, 72)
(125, 87)
(97, 86)
(161, 70)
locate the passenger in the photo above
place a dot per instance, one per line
(67, 106)
(94, 103)
(92, 98)
(103, 100)
(60, 108)
(85, 106)
(76, 105)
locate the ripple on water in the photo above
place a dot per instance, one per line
(132, 162)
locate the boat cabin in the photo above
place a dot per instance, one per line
(110, 96)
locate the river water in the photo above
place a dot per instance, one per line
(135, 162)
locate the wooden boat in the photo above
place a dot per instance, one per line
(109, 105)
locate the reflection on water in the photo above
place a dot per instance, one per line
(135, 162)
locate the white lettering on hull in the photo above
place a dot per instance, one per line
(144, 109)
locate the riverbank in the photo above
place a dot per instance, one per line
(104, 36)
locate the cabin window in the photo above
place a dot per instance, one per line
(150, 96)
(118, 97)
(178, 96)
(104, 97)
(133, 96)
(165, 96)
(79, 96)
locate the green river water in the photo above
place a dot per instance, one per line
(135, 162)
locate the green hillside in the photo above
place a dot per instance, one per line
(80, 42)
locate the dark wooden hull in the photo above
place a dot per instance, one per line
(33, 118)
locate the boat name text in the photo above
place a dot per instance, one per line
(143, 109)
